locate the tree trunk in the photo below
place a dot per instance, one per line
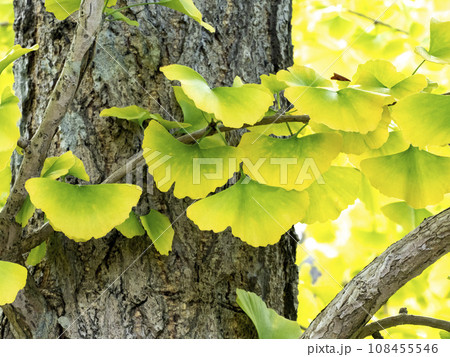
(119, 288)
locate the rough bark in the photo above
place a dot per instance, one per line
(119, 288)
(362, 297)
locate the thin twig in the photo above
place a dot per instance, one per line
(403, 319)
(377, 22)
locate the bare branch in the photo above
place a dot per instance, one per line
(403, 319)
(362, 297)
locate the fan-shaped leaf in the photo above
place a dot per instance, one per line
(404, 215)
(415, 176)
(348, 109)
(13, 278)
(62, 8)
(268, 323)
(37, 254)
(66, 164)
(188, 8)
(5, 183)
(293, 163)
(160, 231)
(194, 170)
(25, 212)
(16, 52)
(234, 106)
(439, 51)
(339, 190)
(272, 83)
(131, 227)
(382, 76)
(424, 119)
(192, 115)
(256, 213)
(83, 212)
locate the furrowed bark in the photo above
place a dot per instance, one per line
(347, 314)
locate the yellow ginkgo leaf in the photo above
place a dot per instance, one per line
(327, 200)
(196, 171)
(234, 106)
(293, 163)
(9, 115)
(83, 212)
(258, 214)
(414, 175)
(13, 278)
(131, 227)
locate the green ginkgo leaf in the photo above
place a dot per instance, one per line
(327, 200)
(83, 212)
(272, 83)
(160, 231)
(13, 278)
(131, 227)
(5, 183)
(414, 175)
(194, 170)
(118, 16)
(424, 119)
(188, 8)
(268, 323)
(192, 115)
(62, 8)
(439, 51)
(25, 212)
(37, 254)
(66, 164)
(258, 214)
(234, 106)
(356, 143)
(293, 163)
(382, 76)
(9, 115)
(348, 109)
(404, 215)
(138, 115)
(16, 52)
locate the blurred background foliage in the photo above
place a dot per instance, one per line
(335, 37)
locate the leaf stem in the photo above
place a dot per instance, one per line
(301, 129)
(420, 65)
(289, 128)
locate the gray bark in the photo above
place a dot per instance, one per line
(119, 288)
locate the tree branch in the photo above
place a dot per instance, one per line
(138, 160)
(403, 319)
(90, 17)
(377, 22)
(362, 297)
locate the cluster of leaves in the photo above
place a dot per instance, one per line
(382, 130)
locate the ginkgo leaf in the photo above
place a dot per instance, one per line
(439, 51)
(382, 76)
(356, 143)
(424, 119)
(404, 215)
(66, 164)
(258, 214)
(234, 106)
(188, 8)
(138, 115)
(16, 52)
(37, 254)
(414, 175)
(293, 163)
(160, 231)
(13, 278)
(9, 115)
(194, 170)
(327, 200)
(25, 212)
(192, 115)
(131, 227)
(272, 83)
(62, 8)
(5, 183)
(118, 16)
(268, 323)
(83, 212)
(348, 109)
